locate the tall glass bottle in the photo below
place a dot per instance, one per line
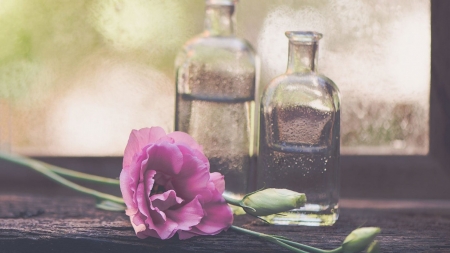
(299, 135)
(216, 93)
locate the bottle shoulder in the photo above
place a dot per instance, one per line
(223, 68)
(228, 43)
(218, 53)
(312, 81)
(302, 89)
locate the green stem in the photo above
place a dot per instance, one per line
(246, 231)
(81, 175)
(41, 168)
(232, 201)
(268, 238)
(63, 171)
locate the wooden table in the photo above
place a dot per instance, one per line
(56, 223)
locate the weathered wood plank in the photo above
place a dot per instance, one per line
(42, 223)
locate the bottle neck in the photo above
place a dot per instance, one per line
(302, 57)
(218, 20)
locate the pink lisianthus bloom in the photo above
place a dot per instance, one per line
(167, 187)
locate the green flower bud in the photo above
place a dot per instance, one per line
(272, 201)
(359, 239)
(374, 247)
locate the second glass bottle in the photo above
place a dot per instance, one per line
(299, 136)
(216, 94)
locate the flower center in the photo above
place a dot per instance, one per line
(157, 189)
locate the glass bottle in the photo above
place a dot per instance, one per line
(299, 135)
(215, 96)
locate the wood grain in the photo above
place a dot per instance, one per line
(44, 223)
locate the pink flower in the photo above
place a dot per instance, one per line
(167, 187)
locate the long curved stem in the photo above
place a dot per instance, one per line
(63, 171)
(81, 175)
(43, 169)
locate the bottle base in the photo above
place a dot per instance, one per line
(305, 217)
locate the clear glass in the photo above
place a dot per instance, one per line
(378, 54)
(215, 96)
(299, 136)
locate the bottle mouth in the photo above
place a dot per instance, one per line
(303, 36)
(221, 2)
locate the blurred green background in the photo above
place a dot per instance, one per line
(77, 76)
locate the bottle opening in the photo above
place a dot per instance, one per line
(303, 36)
(221, 2)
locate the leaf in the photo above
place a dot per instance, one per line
(110, 206)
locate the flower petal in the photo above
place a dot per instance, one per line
(163, 157)
(127, 191)
(149, 181)
(193, 178)
(183, 235)
(129, 180)
(138, 140)
(137, 221)
(219, 181)
(218, 217)
(191, 154)
(165, 228)
(165, 200)
(184, 138)
(188, 215)
(143, 202)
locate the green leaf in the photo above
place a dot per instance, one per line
(110, 206)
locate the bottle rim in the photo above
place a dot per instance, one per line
(303, 36)
(221, 2)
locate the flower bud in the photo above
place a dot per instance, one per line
(272, 201)
(374, 247)
(359, 239)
